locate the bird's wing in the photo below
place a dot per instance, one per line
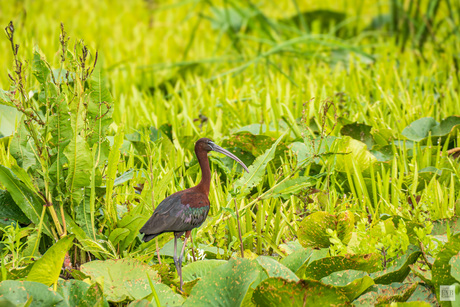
(179, 212)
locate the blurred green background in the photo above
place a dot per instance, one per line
(234, 63)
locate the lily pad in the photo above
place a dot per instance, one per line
(352, 283)
(399, 271)
(33, 293)
(386, 294)
(297, 258)
(441, 269)
(227, 286)
(323, 267)
(277, 291)
(455, 267)
(165, 294)
(424, 127)
(275, 269)
(79, 293)
(121, 277)
(313, 229)
(199, 269)
(423, 294)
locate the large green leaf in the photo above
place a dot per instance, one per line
(455, 267)
(227, 286)
(80, 164)
(100, 106)
(61, 132)
(133, 222)
(28, 201)
(360, 132)
(424, 293)
(83, 215)
(351, 152)
(256, 171)
(292, 186)
(441, 270)
(9, 210)
(419, 129)
(352, 283)
(423, 127)
(33, 293)
(47, 269)
(40, 69)
(165, 294)
(297, 258)
(312, 230)
(325, 266)
(22, 148)
(112, 167)
(123, 278)
(279, 292)
(79, 293)
(199, 269)
(117, 235)
(399, 271)
(386, 294)
(275, 269)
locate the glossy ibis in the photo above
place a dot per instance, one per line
(185, 210)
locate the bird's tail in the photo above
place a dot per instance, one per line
(148, 237)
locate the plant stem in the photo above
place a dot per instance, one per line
(239, 229)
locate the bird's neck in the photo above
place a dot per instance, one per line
(205, 182)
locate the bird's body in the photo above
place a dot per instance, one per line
(178, 213)
(185, 210)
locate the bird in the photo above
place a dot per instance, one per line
(185, 210)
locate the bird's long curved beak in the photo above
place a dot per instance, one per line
(217, 148)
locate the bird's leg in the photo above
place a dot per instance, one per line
(187, 234)
(176, 260)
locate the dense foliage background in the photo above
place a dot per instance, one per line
(347, 114)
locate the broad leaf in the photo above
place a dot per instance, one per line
(399, 271)
(275, 269)
(293, 186)
(79, 293)
(100, 106)
(352, 283)
(29, 293)
(323, 267)
(165, 294)
(112, 167)
(227, 286)
(256, 171)
(121, 277)
(199, 269)
(441, 269)
(360, 132)
(424, 127)
(40, 69)
(9, 210)
(385, 294)
(47, 269)
(279, 292)
(80, 165)
(28, 201)
(312, 230)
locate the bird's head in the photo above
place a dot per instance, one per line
(205, 144)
